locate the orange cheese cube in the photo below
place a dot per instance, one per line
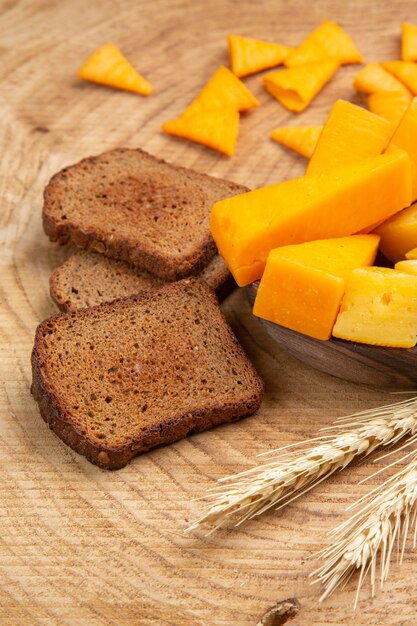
(404, 71)
(398, 234)
(389, 104)
(374, 78)
(223, 89)
(328, 41)
(248, 55)
(301, 139)
(335, 204)
(295, 88)
(379, 307)
(303, 285)
(351, 133)
(409, 42)
(405, 137)
(214, 128)
(107, 66)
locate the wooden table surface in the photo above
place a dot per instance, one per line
(80, 545)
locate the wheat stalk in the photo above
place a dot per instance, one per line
(299, 467)
(369, 535)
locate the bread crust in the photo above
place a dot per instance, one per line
(163, 431)
(134, 250)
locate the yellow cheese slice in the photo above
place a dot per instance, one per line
(379, 307)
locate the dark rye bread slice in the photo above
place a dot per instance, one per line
(134, 207)
(87, 279)
(120, 378)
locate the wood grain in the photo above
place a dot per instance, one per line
(79, 545)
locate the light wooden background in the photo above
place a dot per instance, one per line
(79, 545)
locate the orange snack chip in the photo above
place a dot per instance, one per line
(107, 66)
(301, 139)
(212, 119)
(296, 87)
(248, 55)
(404, 71)
(223, 89)
(328, 41)
(375, 78)
(409, 42)
(214, 128)
(389, 104)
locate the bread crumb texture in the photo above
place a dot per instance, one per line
(117, 379)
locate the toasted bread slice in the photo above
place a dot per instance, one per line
(87, 279)
(134, 207)
(120, 378)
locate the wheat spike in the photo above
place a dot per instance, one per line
(300, 467)
(369, 536)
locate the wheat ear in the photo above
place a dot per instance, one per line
(300, 467)
(385, 518)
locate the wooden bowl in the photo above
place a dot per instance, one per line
(356, 362)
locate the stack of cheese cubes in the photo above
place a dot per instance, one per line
(312, 240)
